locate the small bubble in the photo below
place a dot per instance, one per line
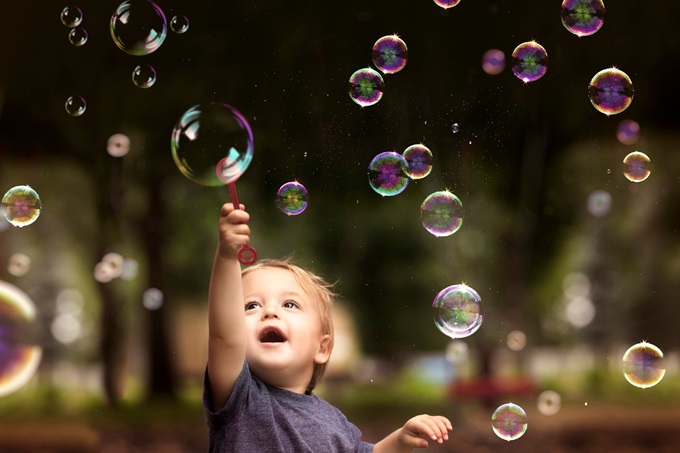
(77, 36)
(455, 128)
(441, 213)
(138, 27)
(21, 206)
(144, 76)
(636, 166)
(179, 24)
(549, 402)
(419, 161)
(71, 16)
(493, 61)
(292, 198)
(390, 54)
(366, 87)
(446, 4)
(628, 132)
(529, 61)
(643, 365)
(583, 17)
(387, 174)
(456, 311)
(75, 105)
(509, 422)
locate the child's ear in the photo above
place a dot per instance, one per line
(324, 352)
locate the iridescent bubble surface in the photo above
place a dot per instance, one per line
(636, 166)
(21, 206)
(628, 132)
(446, 4)
(77, 36)
(611, 91)
(390, 54)
(144, 76)
(71, 16)
(583, 17)
(179, 24)
(599, 203)
(20, 349)
(366, 87)
(75, 105)
(455, 128)
(138, 27)
(442, 213)
(509, 422)
(644, 365)
(419, 161)
(292, 198)
(457, 311)
(118, 145)
(212, 144)
(493, 61)
(529, 61)
(387, 174)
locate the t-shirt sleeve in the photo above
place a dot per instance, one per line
(219, 416)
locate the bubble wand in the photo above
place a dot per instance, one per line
(215, 133)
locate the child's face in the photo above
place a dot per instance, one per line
(283, 325)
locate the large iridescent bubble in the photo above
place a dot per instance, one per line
(457, 311)
(366, 87)
(643, 365)
(387, 174)
(509, 422)
(390, 54)
(583, 17)
(442, 213)
(20, 349)
(636, 166)
(212, 144)
(138, 27)
(611, 91)
(529, 61)
(21, 206)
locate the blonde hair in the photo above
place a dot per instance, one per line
(323, 292)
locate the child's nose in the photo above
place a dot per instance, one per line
(270, 311)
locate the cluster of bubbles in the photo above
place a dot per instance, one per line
(389, 55)
(509, 421)
(21, 206)
(20, 348)
(113, 265)
(292, 198)
(72, 17)
(212, 144)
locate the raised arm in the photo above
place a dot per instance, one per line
(226, 312)
(415, 434)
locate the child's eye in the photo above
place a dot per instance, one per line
(251, 305)
(290, 304)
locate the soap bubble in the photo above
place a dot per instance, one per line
(457, 311)
(366, 87)
(71, 16)
(152, 299)
(599, 203)
(21, 206)
(529, 61)
(446, 4)
(643, 365)
(493, 61)
(509, 422)
(75, 105)
(390, 54)
(77, 36)
(212, 144)
(611, 91)
(628, 132)
(455, 128)
(118, 145)
(144, 76)
(138, 27)
(20, 351)
(583, 17)
(387, 174)
(292, 198)
(442, 213)
(418, 160)
(179, 24)
(636, 166)
(549, 402)
(18, 264)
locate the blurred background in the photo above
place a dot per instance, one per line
(573, 262)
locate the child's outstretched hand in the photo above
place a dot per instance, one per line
(234, 231)
(418, 430)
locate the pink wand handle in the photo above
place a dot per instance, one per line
(247, 255)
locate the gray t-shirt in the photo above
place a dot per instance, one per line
(259, 418)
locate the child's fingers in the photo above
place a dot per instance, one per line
(229, 207)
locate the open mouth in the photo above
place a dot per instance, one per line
(272, 335)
